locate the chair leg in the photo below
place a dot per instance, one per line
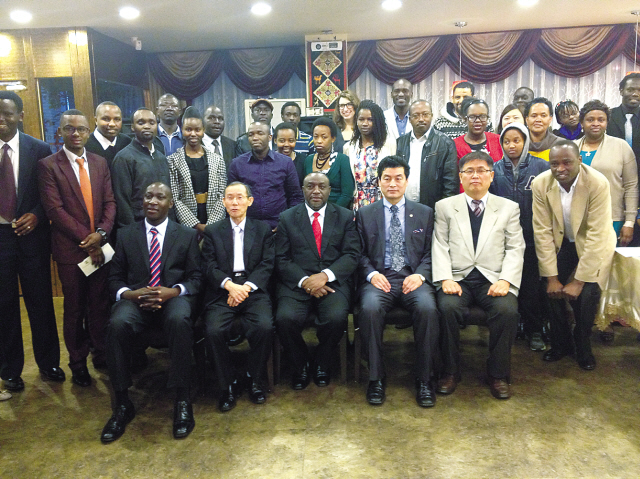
(343, 357)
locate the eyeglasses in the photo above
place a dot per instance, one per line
(72, 129)
(474, 118)
(418, 116)
(479, 172)
(345, 106)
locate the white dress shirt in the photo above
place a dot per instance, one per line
(14, 154)
(238, 252)
(483, 200)
(415, 162)
(566, 197)
(74, 165)
(321, 211)
(208, 142)
(104, 142)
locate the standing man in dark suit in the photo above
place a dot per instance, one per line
(431, 155)
(396, 269)
(238, 257)
(317, 251)
(75, 189)
(106, 140)
(155, 277)
(25, 252)
(213, 137)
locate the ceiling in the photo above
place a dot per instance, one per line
(170, 25)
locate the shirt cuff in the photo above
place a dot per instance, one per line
(120, 291)
(628, 224)
(224, 281)
(251, 285)
(330, 275)
(183, 290)
(302, 281)
(371, 275)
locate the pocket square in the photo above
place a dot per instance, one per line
(419, 230)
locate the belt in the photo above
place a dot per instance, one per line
(201, 198)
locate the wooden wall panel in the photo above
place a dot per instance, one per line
(51, 53)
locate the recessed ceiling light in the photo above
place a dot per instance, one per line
(527, 3)
(261, 8)
(129, 13)
(21, 16)
(391, 4)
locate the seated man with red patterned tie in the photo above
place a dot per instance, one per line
(154, 279)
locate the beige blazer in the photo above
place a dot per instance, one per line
(590, 221)
(500, 250)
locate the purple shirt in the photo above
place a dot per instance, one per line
(274, 184)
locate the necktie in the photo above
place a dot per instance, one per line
(397, 258)
(477, 207)
(7, 186)
(85, 187)
(238, 247)
(216, 145)
(628, 130)
(154, 259)
(317, 231)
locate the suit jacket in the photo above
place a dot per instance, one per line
(438, 166)
(217, 252)
(392, 127)
(109, 154)
(418, 229)
(615, 127)
(297, 253)
(64, 204)
(184, 197)
(590, 221)
(180, 260)
(228, 149)
(500, 250)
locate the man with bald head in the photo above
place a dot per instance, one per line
(106, 140)
(431, 155)
(213, 137)
(169, 133)
(397, 117)
(522, 97)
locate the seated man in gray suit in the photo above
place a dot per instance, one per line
(478, 251)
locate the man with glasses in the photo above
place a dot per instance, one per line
(478, 251)
(397, 117)
(169, 133)
(75, 187)
(432, 157)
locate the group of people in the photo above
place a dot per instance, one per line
(373, 210)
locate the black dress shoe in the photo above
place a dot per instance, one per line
(122, 415)
(588, 363)
(53, 374)
(100, 365)
(321, 377)
(14, 384)
(229, 396)
(256, 393)
(183, 422)
(300, 380)
(425, 394)
(375, 392)
(555, 354)
(81, 377)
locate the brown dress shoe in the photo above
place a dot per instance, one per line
(499, 388)
(448, 384)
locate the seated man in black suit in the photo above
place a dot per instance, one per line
(317, 251)
(238, 260)
(396, 269)
(154, 279)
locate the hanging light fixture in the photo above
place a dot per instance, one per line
(635, 56)
(460, 25)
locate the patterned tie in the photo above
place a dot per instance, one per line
(154, 259)
(395, 232)
(8, 198)
(477, 207)
(317, 231)
(628, 129)
(216, 145)
(85, 187)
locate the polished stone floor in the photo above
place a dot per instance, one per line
(561, 422)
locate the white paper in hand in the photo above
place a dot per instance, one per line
(87, 266)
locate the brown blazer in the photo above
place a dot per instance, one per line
(64, 205)
(590, 221)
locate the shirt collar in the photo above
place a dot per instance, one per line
(242, 224)
(387, 204)
(627, 110)
(72, 156)
(406, 116)
(13, 143)
(423, 137)
(144, 148)
(483, 200)
(573, 186)
(104, 142)
(268, 157)
(162, 227)
(209, 140)
(175, 133)
(311, 211)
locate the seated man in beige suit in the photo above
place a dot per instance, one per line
(477, 251)
(575, 243)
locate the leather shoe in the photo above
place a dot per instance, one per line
(81, 377)
(183, 422)
(499, 388)
(448, 384)
(425, 395)
(555, 354)
(300, 380)
(53, 374)
(321, 377)
(588, 363)
(14, 384)
(375, 392)
(122, 415)
(229, 397)
(256, 393)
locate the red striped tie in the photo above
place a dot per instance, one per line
(317, 232)
(154, 259)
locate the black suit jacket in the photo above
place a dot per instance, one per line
(217, 252)
(109, 154)
(418, 229)
(616, 128)
(228, 149)
(180, 260)
(297, 253)
(438, 166)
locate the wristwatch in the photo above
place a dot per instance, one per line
(102, 233)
